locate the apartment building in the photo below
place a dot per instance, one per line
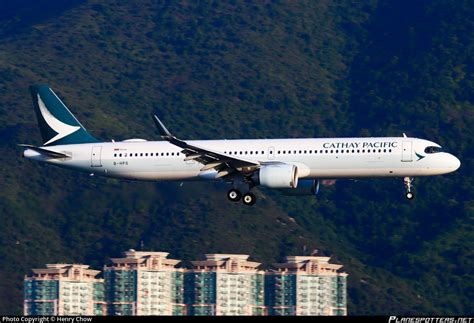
(225, 284)
(306, 285)
(149, 283)
(64, 289)
(144, 283)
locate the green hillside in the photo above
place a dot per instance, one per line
(246, 69)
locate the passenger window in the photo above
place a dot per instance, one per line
(167, 154)
(115, 155)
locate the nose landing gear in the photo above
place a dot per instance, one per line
(408, 185)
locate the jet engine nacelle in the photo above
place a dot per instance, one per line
(305, 187)
(278, 176)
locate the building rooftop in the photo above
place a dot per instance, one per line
(225, 256)
(144, 260)
(309, 265)
(140, 254)
(76, 272)
(231, 263)
(296, 259)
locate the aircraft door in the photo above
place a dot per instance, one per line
(407, 151)
(95, 156)
(271, 153)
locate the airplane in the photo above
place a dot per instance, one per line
(293, 166)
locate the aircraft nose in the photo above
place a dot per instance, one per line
(455, 163)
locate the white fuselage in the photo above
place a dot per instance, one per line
(314, 158)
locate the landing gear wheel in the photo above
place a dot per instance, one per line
(249, 199)
(407, 181)
(234, 195)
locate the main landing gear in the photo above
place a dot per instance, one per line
(408, 185)
(235, 195)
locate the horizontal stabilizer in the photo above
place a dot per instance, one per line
(43, 151)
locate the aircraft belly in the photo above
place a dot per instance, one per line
(160, 175)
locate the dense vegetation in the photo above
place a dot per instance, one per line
(246, 69)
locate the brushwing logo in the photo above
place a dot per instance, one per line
(420, 157)
(62, 129)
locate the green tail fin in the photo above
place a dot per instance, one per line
(57, 124)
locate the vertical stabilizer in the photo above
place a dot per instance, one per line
(57, 124)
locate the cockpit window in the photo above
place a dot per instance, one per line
(433, 149)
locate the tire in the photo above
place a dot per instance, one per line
(234, 195)
(249, 199)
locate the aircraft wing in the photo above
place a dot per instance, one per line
(223, 164)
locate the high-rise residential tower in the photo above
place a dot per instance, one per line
(306, 286)
(64, 289)
(224, 284)
(148, 283)
(144, 283)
